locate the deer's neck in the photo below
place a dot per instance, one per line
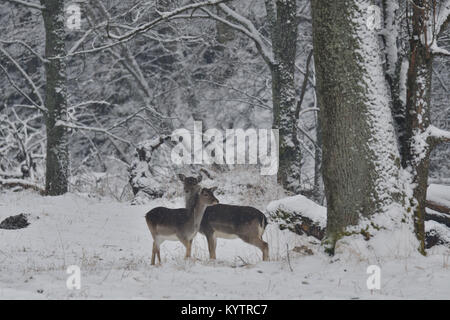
(196, 215)
(191, 196)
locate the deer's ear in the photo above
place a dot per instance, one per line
(199, 178)
(181, 177)
(213, 189)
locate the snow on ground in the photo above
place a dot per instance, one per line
(111, 244)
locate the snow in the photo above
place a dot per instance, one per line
(304, 206)
(434, 48)
(439, 194)
(111, 244)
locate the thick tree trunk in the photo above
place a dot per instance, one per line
(417, 154)
(284, 37)
(57, 165)
(360, 154)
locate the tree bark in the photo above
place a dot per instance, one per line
(359, 148)
(284, 32)
(57, 163)
(417, 154)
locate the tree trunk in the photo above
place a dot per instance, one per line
(360, 154)
(57, 163)
(284, 37)
(417, 154)
(318, 186)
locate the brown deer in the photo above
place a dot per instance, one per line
(178, 224)
(229, 222)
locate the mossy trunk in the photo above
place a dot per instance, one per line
(417, 154)
(57, 162)
(359, 148)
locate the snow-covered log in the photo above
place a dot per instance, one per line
(437, 207)
(21, 183)
(304, 217)
(438, 198)
(300, 215)
(441, 218)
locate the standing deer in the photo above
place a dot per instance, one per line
(191, 188)
(178, 224)
(229, 222)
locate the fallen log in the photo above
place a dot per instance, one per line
(13, 183)
(299, 215)
(304, 217)
(437, 207)
(438, 217)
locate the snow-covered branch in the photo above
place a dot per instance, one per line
(93, 129)
(443, 16)
(436, 50)
(245, 26)
(438, 17)
(437, 135)
(27, 4)
(25, 184)
(164, 16)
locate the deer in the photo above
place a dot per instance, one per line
(191, 186)
(180, 224)
(228, 221)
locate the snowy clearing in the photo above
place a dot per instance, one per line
(111, 244)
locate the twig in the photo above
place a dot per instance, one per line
(288, 258)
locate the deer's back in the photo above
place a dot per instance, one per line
(231, 219)
(166, 216)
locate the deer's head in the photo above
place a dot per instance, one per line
(189, 182)
(207, 196)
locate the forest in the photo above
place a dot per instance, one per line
(292, 149)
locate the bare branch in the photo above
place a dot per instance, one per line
(41, 105)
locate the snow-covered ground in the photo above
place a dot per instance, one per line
(111, 244)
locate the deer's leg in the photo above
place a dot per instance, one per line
(156, 250)
(153, 253)
(188, 245)
(265, 249)
(212, 244)
(159, 255)
(259, 243)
